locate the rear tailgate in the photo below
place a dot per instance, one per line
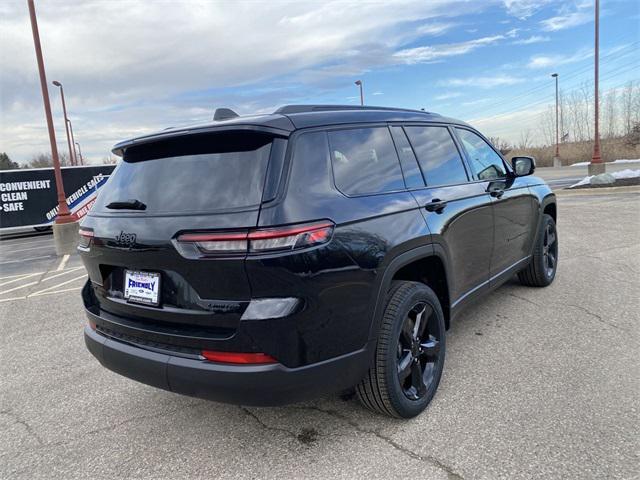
(190, 184)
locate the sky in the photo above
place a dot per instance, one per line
(133, 67)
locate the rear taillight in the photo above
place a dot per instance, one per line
(238, 358)
(195, 245)
(86, 237)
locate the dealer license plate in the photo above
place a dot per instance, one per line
(142, 287)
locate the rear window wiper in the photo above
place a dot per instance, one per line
(127, 205)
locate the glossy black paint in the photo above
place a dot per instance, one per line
(481, 231)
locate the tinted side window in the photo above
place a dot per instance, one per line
(365, 161)
(485, 162)
(437, 154)
(411, 171)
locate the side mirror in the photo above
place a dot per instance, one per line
(523, 166)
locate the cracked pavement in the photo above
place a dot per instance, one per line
(538, 383)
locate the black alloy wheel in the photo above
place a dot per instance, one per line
(410, 351)
(550, 249)
(542, 268)
(418, 349)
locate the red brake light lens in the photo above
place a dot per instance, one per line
(196, 245)
(238, 358)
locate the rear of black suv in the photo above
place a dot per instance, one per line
(265, 260)
(175, 256)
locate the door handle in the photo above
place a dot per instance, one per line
(436, 205)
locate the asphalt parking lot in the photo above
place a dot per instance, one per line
(538, 383)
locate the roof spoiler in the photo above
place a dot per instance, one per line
(224, 114)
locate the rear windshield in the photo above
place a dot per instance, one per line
(191, 174)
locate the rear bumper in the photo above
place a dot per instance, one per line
(259, 385)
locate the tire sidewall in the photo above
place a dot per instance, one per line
(404, 406)
(547, 220)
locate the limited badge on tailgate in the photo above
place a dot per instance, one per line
(142, 287)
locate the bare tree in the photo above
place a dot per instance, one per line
(525, 140)
(503, 145)
(43, 160)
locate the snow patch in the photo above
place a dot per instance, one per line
(628, 173)
(624, 160)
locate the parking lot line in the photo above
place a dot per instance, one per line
(24, 276)
(64, 272)
(12, 299)
(63, 262)
(32, 242)
(19, 287)
(35, 294)
(26, 259)
(39, 247)
(40, 294)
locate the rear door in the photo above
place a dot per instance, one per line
(192, 184)
(513, 203)
(458, 212)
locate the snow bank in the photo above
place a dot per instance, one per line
(628, 173)
(624, 160)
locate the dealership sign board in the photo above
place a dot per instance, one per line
(28, 197)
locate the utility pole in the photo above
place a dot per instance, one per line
(359, 83)
(73, 141)
(65, 228)
(80, 153)
(72, 157)
(596, 166)
(556, 158)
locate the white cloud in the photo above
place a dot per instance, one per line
(430, 53)
(548, 61)
(479, 101)
(523, 9)
(531, 40)
(434, 29)
(448, 95)
(377, 93)
(129, 66)
(568, 17)
(483, 82)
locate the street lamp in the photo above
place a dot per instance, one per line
(556, 158)
(596, 166)
(64, 215)
(359, 83)
(73, 140)
(80, 153)
(66, 120)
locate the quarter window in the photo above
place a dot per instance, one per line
(365, 161)
(437, 155)
(485, 162)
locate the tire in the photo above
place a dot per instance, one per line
(543, 265)
(387, 388)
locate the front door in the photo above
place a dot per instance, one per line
(513, 203)
(458, 211)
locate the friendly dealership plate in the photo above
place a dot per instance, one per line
(142, 287)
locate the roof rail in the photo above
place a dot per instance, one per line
(288, 109)
(224, 114)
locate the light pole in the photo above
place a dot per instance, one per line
(73, 140)
(556, 157)
(596, 166)
(359, 83)
(64, 215)
(80, 153)
(66, 120)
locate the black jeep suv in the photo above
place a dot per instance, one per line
(265, 259)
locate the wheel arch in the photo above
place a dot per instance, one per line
(425, 264)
